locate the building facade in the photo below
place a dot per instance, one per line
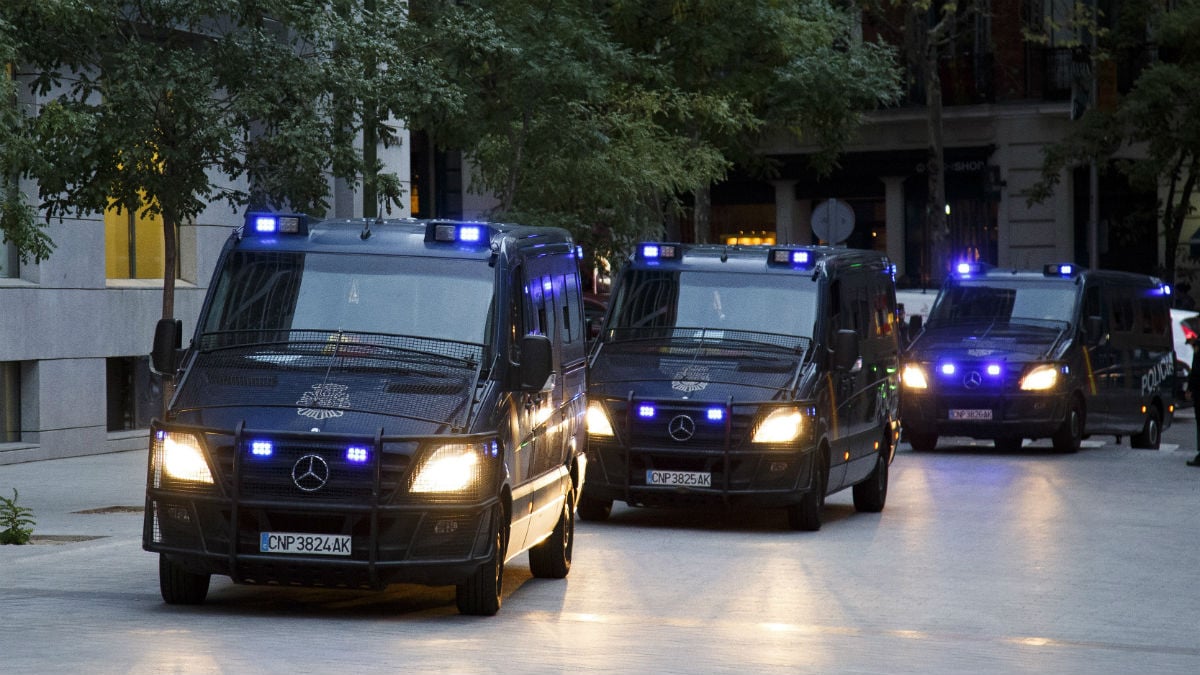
(76, 329)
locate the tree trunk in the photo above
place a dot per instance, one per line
(935, 166)
(702, 214)
(170, 256)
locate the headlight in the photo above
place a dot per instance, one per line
(1040, 378)
(597, 420)
(913, 377)
(183, 458)
(781, 425)
(450, 468)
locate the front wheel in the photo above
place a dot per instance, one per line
(481, 594)
(1151, 434)
(179, 586)
(1070, 434)
(871, 494)
(593, 509)
(806, 515)
(921, 442)
(551, 559)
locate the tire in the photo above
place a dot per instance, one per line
(179, 586)
(921, 442)
(1008, 443)
(551, 559)
(1151, 434)
(871, 494)
(481, 594)
(1070, 434)
(593, 509)
(806, 516)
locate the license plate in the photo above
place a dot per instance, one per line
(680, 478)
(304, 544)
(971, 414)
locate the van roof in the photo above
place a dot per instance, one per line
(754, 259)
(1055, 272)
(409, 236)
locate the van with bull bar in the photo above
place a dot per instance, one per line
(1059, 353)
(367, 402)
(744, 377)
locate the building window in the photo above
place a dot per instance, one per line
(10, 402)
(133, 393)
(133, 245)
(8, 260)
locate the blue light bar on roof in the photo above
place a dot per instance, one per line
(1060, 270)
(966, 269)
(796, 258)
(276, 223)
(464, 233)
(651, 251)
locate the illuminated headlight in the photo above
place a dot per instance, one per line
(1040, 378)
(782, 425)
(597, 420)
(913, 377)
(183, 458)
(451, 468)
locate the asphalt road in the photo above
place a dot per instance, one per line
(982, 562)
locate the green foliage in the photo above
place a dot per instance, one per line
(1153, 134)
(17, 521)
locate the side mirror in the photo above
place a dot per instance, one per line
(164, 355)
(1093, 327)
(845, 349)
(537, 362)
(915, 323)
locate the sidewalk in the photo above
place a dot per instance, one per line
(93, 496)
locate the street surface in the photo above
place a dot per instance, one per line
(982, 562)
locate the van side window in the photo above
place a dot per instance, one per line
(1121, 319)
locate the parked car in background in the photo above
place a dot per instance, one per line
(1185, 324)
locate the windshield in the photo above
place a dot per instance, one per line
(436, 298)
(999, 301)
(719, 301)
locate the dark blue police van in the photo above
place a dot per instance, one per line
(367, 402)
(744, 376)
(1057, 353)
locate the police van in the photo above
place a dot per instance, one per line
(373, 401)
(744, 376)
(1057, 353)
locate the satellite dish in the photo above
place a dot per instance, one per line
(833, 221)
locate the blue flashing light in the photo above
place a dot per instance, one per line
(476, 234)
(470, 233)
(716, 414)
(798, 258)
(356, 454)
(653, 252)
(948, 368)
(1060, 270)
(276, 223)
(262, 448)
(646, 411)
(993, 369)
(966, 269)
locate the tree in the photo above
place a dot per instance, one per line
(1152, 134)
(751, 69)
(602, 117)
(926, 30)
(160, 107)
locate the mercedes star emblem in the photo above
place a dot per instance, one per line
(681, 428)
(310, 473)
(972, 379)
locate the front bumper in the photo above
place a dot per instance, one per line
(1024, 415)
(395, 536)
